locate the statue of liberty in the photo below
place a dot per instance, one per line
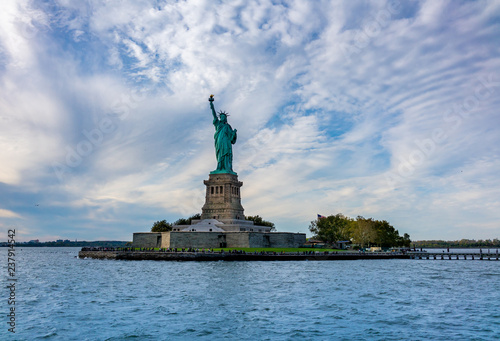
(224, 137)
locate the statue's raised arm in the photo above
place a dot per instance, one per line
(211, 100)
(224, 137)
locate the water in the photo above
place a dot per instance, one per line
(60, 297)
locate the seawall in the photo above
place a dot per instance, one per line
(206, 256)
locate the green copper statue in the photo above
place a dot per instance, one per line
(224, 137)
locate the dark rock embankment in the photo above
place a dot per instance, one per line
(215, 256)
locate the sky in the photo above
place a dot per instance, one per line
(383, 109)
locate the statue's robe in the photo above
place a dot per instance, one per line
(224, 137)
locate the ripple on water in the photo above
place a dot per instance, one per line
(65, 298)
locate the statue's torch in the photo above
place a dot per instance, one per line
(211, 98)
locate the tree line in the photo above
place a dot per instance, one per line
(365, 232)
(463, 243)
(164, 226)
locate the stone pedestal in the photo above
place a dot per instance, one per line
(222, 198)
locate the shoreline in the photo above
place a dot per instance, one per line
(209, 256)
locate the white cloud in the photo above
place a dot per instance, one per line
(8, 214)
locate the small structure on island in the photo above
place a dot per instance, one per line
(222, 222)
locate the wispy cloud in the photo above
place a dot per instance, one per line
(8, 214)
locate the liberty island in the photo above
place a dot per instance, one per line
(222, 224)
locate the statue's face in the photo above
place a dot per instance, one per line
(223, 118)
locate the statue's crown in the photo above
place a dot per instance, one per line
(223, 113)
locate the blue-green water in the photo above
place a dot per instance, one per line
(60, 297)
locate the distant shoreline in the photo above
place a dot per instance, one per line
(461, 247)
(98, 243)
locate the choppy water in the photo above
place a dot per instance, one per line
(60, 297)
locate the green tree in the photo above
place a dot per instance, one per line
(161, 226)
(363, 231)
(187, 221)
(331, 229)
(257, 220)
(366, 232)
(386, 234)
(406, 240)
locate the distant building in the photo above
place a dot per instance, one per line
(314, 242)
(342, 244)
(34, 241)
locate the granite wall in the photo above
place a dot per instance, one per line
(178, 239)
(147, 239)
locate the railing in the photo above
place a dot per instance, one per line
(454, 256)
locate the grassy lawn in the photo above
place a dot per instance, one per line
(272, 249)
(276, 249)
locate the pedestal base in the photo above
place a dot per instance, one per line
(223, 199)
